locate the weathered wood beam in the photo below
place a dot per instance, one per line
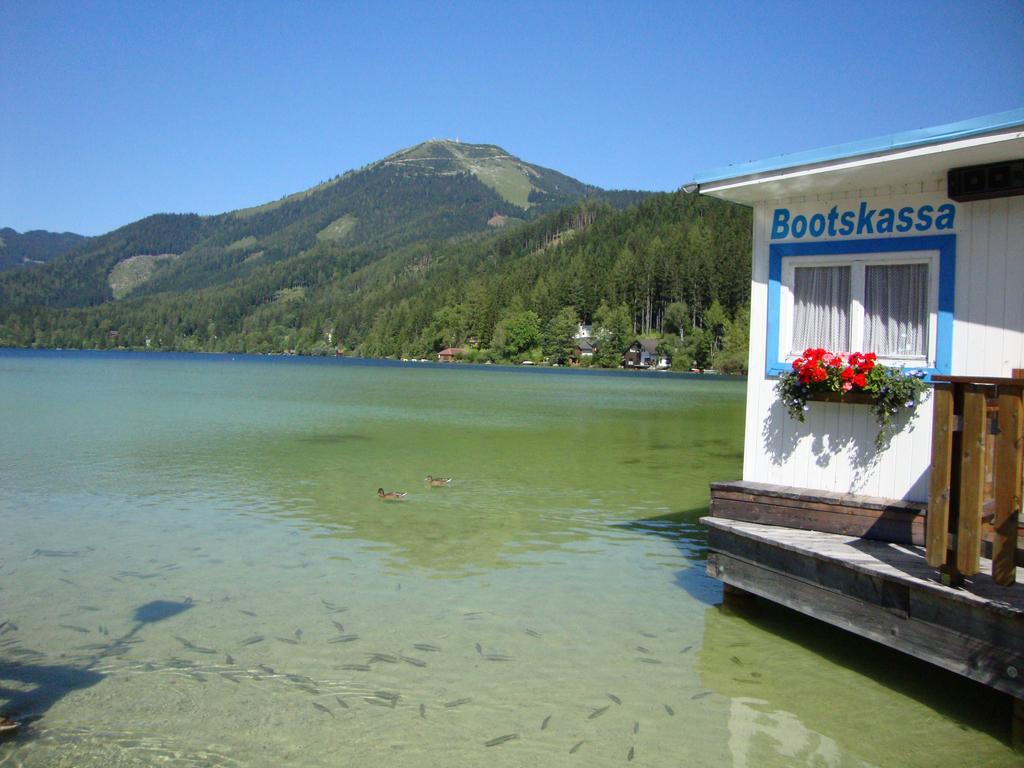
(1008, 468)
(972, 481)
(937, 523)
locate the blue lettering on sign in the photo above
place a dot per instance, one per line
(862, 221)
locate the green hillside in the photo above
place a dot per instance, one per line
(434, 191)
(25, 249)
(675, 263)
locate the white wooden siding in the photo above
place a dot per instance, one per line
(834, 449)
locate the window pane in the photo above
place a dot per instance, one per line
(896, 310)
(821, 308)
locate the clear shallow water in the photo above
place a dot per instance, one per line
(196, 571)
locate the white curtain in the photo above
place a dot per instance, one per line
(821, 308)
(896, 310)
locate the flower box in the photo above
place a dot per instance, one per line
(851, 398)
(822, 376)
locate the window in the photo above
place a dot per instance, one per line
(892, 295)
(886, 304)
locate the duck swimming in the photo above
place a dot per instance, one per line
(438, 481)
(390, 495)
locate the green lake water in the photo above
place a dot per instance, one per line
(195, 570)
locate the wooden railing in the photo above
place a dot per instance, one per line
(975, 482)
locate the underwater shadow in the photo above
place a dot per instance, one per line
(686, 532)
(43, 685)
(966, 702)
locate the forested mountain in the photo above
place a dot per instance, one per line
(443, 244)
(673, 264)
(436, 190)
(34, 247)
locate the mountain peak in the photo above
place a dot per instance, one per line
(518, 182)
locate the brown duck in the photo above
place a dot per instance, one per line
(389, 495)
(438, 481)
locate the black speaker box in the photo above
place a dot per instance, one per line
(984, 182)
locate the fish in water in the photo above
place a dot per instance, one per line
(379, 702)
(55, 553)
(338, 625)
(423, 711)
(415, 662)
(288, 640)
(192, 646)
(426, 647)
(456, 703)
(88, 607)
(671, 712)
(308, 688)
(614, 698)
(736, 660)
(229, 659)
(575, 747)
(343, 639)
(501, 739)
(265, 668)
(631, 754)
(497, 657)
(598, 712)
(648, 634)
(323, 708)
(479, 649)
(642, 649)
(701, 695)
(357, 667)
(253, 640)
(298, 634)
(197, 676)
(686, 649)
(648, 660)
(341, 702)
(387, 695)
(229, 676)
(75, 628)
(532, 632)
(636, 727)
(544, 723)
(385, 657)
(248, 613)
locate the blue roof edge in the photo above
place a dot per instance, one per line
(919, 137)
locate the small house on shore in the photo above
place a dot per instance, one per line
(909, 247)
(642, 353)
(585, 349)
(450, 354)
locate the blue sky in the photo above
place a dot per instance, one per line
(113, 111)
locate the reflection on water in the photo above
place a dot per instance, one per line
(196, 571)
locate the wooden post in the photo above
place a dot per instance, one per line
(972, 481)
(1009, 442)
(937, 520)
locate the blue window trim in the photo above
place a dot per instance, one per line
(944, 244)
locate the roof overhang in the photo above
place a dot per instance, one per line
(885, 161)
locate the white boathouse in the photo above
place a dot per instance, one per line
(910, 246)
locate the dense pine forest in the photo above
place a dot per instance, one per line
(440, 245)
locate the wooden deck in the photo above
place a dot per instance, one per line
(880, 590)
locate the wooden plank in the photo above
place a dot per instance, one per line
(937, 532)
(903, 564)
(901, 527)
(967, 656)
(745, 488)
(972, 481)
(1009, 442)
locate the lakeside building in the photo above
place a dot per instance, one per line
(910, 246)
